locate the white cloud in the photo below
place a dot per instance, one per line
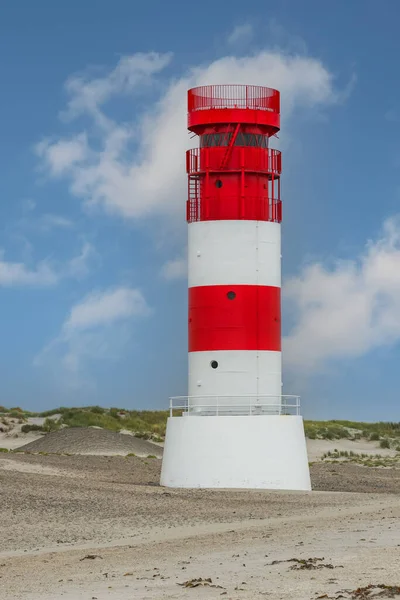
(132, 73)
(348, 310)
(45, 273)
(103, 308)
(241, 33)
(14, 274)
(136, 169)
(175, 269)
(62, 155)
(96, 328)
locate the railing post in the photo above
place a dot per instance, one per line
(170, 407)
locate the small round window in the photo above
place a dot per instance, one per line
(231, 295)
(218, 183)
(214, 364)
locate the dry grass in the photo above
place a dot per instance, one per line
(366, 460)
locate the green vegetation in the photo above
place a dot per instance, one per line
(53, 411)
(17, 412)
(4, 450)
(327, 430)
(14, 414)
(86, 418)
(151, 425)
(146, 424)
(335, 430)
(31, 427)
(51, 425)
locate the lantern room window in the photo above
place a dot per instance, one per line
(212, 140)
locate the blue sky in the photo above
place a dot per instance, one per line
(92, 211)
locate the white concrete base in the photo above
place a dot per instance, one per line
(264, 452)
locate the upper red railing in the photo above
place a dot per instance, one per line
(210, 105)
(233, 96)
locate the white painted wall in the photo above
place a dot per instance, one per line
(240, 252)
(264, 452)
(239, 373)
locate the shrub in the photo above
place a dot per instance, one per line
(142, 435)
(98, 410)
(4, 450)
(384, 443)
(15, 414)
(151, 456)
(51, 425)
(53, 411)
(31, 427)
(374, 437)
(76, 417)
(114, 413)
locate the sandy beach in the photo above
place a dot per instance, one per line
(95, 527)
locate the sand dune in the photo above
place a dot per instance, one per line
(81, 440)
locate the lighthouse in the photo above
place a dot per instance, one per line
(234, 429)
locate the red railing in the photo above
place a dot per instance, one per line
(259, 208)
(233, 96)
(248, 158)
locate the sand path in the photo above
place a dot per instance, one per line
(360, 539)
(147, 539)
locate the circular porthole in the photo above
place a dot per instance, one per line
(231, 295)
(214, 364)
(218, 183)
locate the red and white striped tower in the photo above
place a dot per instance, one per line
(234, 213)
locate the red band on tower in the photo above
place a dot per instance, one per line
(234, 317)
